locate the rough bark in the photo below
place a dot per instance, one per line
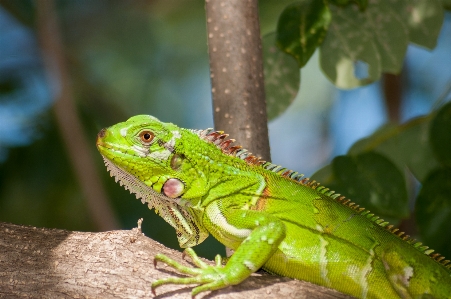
(53, 263)
(236, 71)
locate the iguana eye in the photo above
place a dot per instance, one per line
(146, 137)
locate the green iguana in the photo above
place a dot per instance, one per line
(273, 218)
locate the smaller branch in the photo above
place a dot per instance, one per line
(69, 124)
(53, 263)
(393, 96)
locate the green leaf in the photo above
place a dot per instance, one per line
(361, 44)
(440, 135)
(433, 211)
(446, 4)
(425, 21)
(301, 28)
(361, 3)
(8, 86)
(340, 2)
(405, 145)
(282, 77)
(375, 38)
(348, 56)
(372, 181)
(324, 176)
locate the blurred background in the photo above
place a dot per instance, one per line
(122, 58)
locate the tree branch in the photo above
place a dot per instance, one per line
(236, 71)
(70, 127)
(53, 263)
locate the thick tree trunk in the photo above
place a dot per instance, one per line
(53, 263)
(236, 70)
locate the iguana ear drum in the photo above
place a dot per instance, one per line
(176, 161)
(173, 188)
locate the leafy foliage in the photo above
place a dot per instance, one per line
(358, 40)
(440, 135)
(396, 142)
(373, 174)
(375, 178)
(361, 3)
(446, 4)
(282, 77)
(302, 27)
(433, 210)
(362, 40)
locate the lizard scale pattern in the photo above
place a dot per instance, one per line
(274, 218)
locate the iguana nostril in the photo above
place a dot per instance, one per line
(101, 133)
(100, 137)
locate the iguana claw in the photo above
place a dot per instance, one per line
(211, 277)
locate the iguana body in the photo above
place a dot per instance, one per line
(201, 184)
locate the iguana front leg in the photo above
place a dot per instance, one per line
(260, 236)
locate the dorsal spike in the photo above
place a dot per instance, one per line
(379, 221)
(219, 139)
(299, 177)
(293, 174)
(435, 255)
(203, 133)
(232, 150)
(282, 170)
(214, 135)
(277, 168)
(304, 181)
(257, 160)
(251, 159)
(310, 183)
(269, 166)
(261, 162)
(226, 143)
(287, 173)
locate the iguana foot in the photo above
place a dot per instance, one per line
(210, 277)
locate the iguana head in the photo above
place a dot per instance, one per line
(146, 156)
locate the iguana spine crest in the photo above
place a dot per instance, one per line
(218, 138)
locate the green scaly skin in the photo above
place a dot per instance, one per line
(201, 184)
